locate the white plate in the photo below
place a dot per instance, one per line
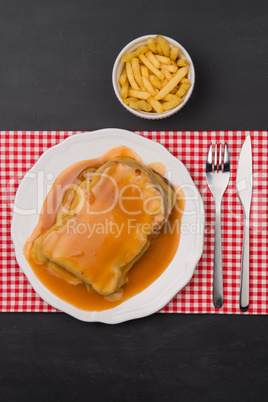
(35, 186)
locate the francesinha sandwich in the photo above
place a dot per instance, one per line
(106, 221)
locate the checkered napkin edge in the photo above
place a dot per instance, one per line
(21, 149)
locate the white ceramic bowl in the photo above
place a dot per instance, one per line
(35, 186)
(118, 67)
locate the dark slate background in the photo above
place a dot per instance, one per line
(56, 60)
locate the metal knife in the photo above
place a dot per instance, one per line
(244, 191)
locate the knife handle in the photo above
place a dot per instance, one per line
(244, 285)
(217, 273)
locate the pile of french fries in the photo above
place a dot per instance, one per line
(154, 77)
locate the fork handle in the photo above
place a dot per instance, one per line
(244, 286)
(217, 274)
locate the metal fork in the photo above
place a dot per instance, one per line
(218, 175)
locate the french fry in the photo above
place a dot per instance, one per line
(166, 74)
(143, 105)
(151, 57)
(123, 77)
(174, 53)
(128, 57)
(170, 68)
(182, 63)
(155, 81)
(164, 82)
(135, 64)
(124, 90)
(172, 83)
(149, 65)
(139, 94)
(170, 97)
(185, 86)
(164, 45)
(156, 105)
(133, 105)
(148, 86)
(151, 44)
(158, 49)
(142, 49)
(138, 79)
(163, 59)
(185, 81)
(130, 76)
(172, 104)
(127, 100)
(174, 90)
(180, 93)
(144, 71)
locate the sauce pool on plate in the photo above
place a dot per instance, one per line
(142, 274)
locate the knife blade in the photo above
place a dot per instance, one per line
(244, 191)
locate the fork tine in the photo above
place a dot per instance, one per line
(215, 159)
(209, 160)
(220, 158)
(226, 161)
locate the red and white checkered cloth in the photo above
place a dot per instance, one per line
(20, 150)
